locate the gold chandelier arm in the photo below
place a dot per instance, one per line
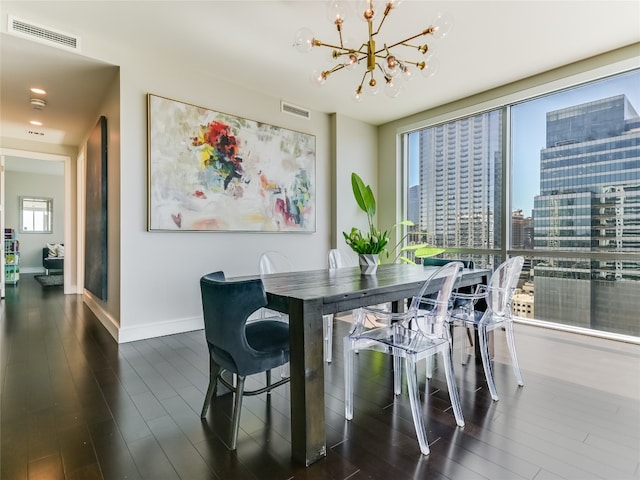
(424, 47)
(341, 50)
(426, 31)
(340, 66)
(406, 62)
(384, 74)
(364, 76)
(319, 43)
(339, 27)
(387, 9)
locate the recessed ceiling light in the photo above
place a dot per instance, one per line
(39, 91)
(35, 122)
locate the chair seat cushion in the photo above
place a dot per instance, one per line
(268, 336)
(269, 340)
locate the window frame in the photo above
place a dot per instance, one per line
(530, 91)
(48, 213)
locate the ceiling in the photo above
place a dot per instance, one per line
(249, 43)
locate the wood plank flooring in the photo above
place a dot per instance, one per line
(75, 405)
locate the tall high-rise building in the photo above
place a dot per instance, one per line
(590, 202)
(521, 231)
(413, 207)
(459, 163)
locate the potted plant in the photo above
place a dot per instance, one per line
(368, 245)
(372, 244)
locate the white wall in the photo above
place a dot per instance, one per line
(160, 271)
(18, 184)
(356, 151)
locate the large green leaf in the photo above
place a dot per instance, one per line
(363, 195)
(428, 252)
(418, 246)
(406, 223)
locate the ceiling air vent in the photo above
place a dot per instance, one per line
(43, 34)
(295, 110)
(35, 132)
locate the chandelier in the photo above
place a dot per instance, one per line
(382, 60)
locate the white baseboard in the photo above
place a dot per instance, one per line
(106, 320)
(159, 329)
(141, 332)
(36, 270)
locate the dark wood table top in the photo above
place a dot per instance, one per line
(346, 288)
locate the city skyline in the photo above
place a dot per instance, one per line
(585, 189)
(528, 132)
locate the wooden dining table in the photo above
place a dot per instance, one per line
(308, 295)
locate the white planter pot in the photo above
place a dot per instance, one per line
(368, 263)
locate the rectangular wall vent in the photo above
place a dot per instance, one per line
(295, 110)
(43, 34)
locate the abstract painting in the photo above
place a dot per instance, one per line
(95, 250)
(211, 171)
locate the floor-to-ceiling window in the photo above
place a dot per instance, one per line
(570, 163)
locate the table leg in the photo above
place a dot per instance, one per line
(308, 436)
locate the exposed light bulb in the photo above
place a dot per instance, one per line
(337, 11)
(431, 66)
(392, 88)
(357, 95)
(319, 77)
(406, 73)
(351, 61)
(366, 10)
(38, 91)
(442, 25)
(372, 89)
(303, 40)
(393, 66)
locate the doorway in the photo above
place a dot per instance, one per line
(69, 238)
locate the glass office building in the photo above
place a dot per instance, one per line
(590, 202)
(583, 233)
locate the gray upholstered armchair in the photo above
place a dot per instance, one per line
(51, 263)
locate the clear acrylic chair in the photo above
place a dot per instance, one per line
(337, 259)
(438, 262)
(274, 262)
(419, 333)
(497, 296)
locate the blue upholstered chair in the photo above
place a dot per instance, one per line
(236, 346)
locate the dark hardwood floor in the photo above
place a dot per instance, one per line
(76, 405)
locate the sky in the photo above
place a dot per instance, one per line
(529, 131)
